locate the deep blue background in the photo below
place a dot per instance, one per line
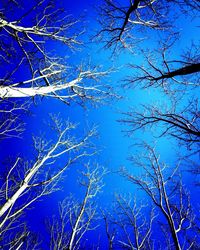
(112, 142)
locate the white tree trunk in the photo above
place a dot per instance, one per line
(16, 92)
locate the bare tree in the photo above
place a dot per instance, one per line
(182, 125)
(28, 41)
(121, 21)
(110, 229)
(76, 217)
(157, 67)
(26, 182)
(135, 229)
(41, 22)
(166, 190)
(72, 89)
(31, 67)
(46, 72)
(11, 123)
(118, 20)
(21, 238)
(160, 69)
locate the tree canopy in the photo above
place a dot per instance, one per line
(67, 183)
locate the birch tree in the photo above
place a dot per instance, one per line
(76, 218)
(26, 182)
(22, 238)
(11, 122)
(27, 39)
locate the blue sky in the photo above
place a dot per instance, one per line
(113, 144)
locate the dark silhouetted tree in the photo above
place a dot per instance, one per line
(164, 187)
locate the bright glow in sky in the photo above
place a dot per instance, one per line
(113, 144)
